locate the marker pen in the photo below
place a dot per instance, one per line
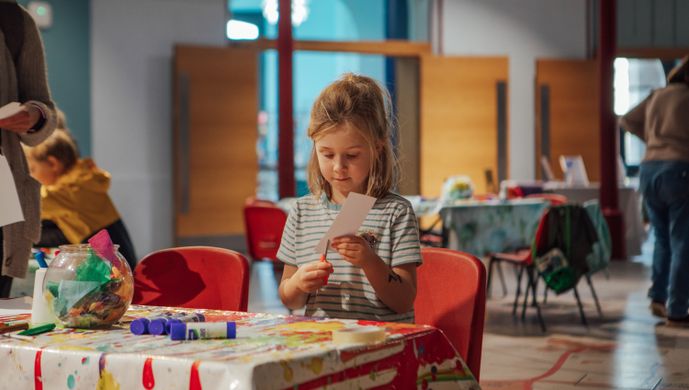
(161, 325)
(195, 317)
(203, 330)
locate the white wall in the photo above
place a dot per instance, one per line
(131, 46)
(524, 30)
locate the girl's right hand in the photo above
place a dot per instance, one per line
(312, 276)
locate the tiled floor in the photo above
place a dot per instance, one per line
(626, 349)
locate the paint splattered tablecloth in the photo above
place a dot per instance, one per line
(483, 227)
(270, 352)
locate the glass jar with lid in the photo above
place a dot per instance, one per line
(85, 288)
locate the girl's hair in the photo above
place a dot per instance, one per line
(362, 103)
(59, 145)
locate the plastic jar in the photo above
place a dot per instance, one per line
(86, 289)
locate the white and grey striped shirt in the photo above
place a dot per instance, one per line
(348, 293)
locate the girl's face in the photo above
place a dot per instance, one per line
(344, 160)
(45, 172)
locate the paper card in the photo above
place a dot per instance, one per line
(11, 210)
(351, 216)
(9, 109)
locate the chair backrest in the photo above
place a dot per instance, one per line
(451, 296)
(263, 225)
(196, 277)
(554, 199)
(602, 250)
(253, 201)
(564, 241)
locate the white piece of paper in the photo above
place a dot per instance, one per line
(14, 306)
(10, 209)
(351, 216)
(9, 109)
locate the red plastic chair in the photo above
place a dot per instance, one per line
(196, 277)
(457, 308)
(554, 199)
(263, 223)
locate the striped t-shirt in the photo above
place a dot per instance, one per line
(348, 293)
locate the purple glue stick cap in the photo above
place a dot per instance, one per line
(169, 324)
(157, 326)
(178, 331)
(231, 330)
(139, 326)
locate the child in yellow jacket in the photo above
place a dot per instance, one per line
(74, 196)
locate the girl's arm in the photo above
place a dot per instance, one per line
(395, 286)
(298, 283)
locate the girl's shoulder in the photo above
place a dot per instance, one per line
(392, 201)
(306, 203)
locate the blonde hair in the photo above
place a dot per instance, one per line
(365, 105)
(59, 145)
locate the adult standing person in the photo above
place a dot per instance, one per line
(662, 121)
(23, 79)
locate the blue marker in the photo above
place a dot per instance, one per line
(203, 330)
(40, 259)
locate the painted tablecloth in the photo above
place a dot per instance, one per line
(270, 352)
(483, 227)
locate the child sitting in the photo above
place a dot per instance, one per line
(372, 275)
(74, 196)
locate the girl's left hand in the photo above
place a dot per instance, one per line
(354, 249)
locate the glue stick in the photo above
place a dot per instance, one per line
(203, 330)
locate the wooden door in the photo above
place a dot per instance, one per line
(567, 114)
(215, 133)
(463, 120)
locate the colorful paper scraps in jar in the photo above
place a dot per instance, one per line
(97, 295)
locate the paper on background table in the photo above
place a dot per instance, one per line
(351, 216)
(9, 109)
(14, 306)
(11, 210)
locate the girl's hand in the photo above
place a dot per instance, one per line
(354, 249)
(23, 120)
(310, 277)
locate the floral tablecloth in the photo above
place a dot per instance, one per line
(270, 352)
(483, 227)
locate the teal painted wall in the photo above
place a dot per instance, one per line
(68, 54)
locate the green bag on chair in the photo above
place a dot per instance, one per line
(556, 271)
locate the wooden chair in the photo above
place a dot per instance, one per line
(196, 277)
(451, 296)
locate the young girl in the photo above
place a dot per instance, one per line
(371, 275)
(74, 196)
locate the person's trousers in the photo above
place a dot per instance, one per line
(665, 188)
(5, 281)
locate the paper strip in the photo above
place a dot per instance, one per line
(353, 213)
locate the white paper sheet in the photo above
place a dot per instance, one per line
(9, 109)
(351, 216)
(10, 209)
(14, 306)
